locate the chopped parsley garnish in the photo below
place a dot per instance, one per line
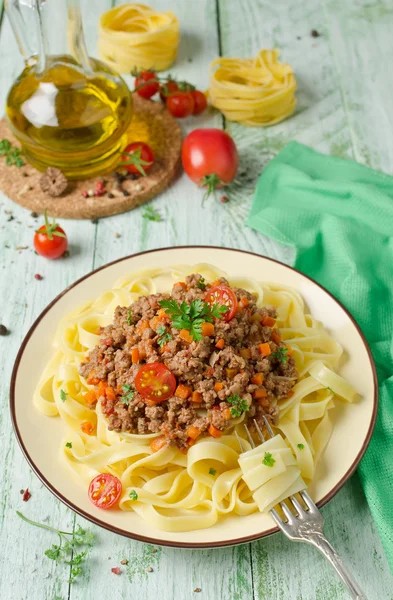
(163, 336)
(192, 316)
(201, 284)
(12, 154)
(281, 354)
(129, 394)
(238, 407)
(268, 460)
(133, 495)
(300, 446)
(69, 543)
(69, 445)
(129, 317)
(63, 395)
(151, 214)
(212, 471)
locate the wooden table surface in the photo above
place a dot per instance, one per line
(344, 108)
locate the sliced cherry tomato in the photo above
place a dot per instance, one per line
(105, 490)
(222, 294)
(137, 158)
(146, 89)
(155, 382)
(50, 239)
(170, 87)
(180, 104)
(200, 102)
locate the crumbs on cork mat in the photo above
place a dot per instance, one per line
(104, 196)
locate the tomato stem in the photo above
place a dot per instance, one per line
(136, 160)
(50, 228)
(211, 183)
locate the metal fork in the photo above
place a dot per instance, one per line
(306, 524)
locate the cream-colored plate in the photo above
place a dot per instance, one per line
(39, 435)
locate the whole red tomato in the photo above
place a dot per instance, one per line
(137, 158)
(180, 104)
(200, 102)
(170, 87)
(50, 239)
(143, 87)
(210, 158)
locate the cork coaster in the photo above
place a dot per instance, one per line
(151, 123)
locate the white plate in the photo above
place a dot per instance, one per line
(39, 435)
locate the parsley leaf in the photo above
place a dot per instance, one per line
(69, 445)
(300, 446)
(238, 407)
(212, 471)
(133, 495)
(192, 316)
(201, 284)
(151, 214)
(268, 460)
(63, 395)
(129, 317)
(163, 336)
(11, 153)
(129, 394)
(281, 354)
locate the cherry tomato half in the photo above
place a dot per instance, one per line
(146, 89)
(105, 490)
(137, 158)
(50, 239)
(170, 87)
(222, 294)
(200, 102)
(180, 104)
(155, 382)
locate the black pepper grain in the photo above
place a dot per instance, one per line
(315, 33)
(125, 193)
(34, 214)
(3, 330)
(110, 195)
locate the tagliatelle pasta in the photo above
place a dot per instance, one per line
(135, 36)
(256, 91)
(182, 492)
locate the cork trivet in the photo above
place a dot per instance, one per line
(151, 123)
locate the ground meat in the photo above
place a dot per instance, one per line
(220, 369)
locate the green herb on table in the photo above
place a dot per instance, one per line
(201, 284)
(212, 471)
(238, 407)
(69, 445)
(163, 336)
(133, 495)
(192, 316)
(151, 214)
(63, 395)
(268, 459)
(129, 394)
(69, 544)
(281, 354)
(300, 446)
(11, 153)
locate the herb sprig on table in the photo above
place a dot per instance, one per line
(11, 153)
(68, 547)
(151, 214)
(192, 316)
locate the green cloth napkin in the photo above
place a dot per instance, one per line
(338, 216)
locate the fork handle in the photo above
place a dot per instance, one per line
(320, 542)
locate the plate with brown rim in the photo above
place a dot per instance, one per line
(353, 423)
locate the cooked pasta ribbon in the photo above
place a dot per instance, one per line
(135, 36)
(177, 492)
(256, 91)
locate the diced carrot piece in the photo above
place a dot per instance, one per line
(230, 373)
(193, 432)
(257, 379)
(135, 357)
(276, 336)
(207, 329)
(290, 351)
(110, 393)
(157, 443)
(290, 394)
(244, 301)
(220, 344)
(162, 314)
(90, 397)
(165, 348)
(101, 389)
(259, 393)
(264, 349)
(196, 397)
(264, 402)
(209, 372)
(268, 321)
(186, 336)
(143, 324)
(245, 353)
(214, 431)
(218, 386)
(216, 282)
(181, 284)
(87, 427)
(92, 380)
(226, 414)
(155, 322)
(183, 391)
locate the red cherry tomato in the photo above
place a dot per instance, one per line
(137, 158)
(210, 158)
(200, 102)
(155, 382)
(147, 90)
(223, 295)
(50, 239)
(180, 104)
(170, 87)
(105, 490)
